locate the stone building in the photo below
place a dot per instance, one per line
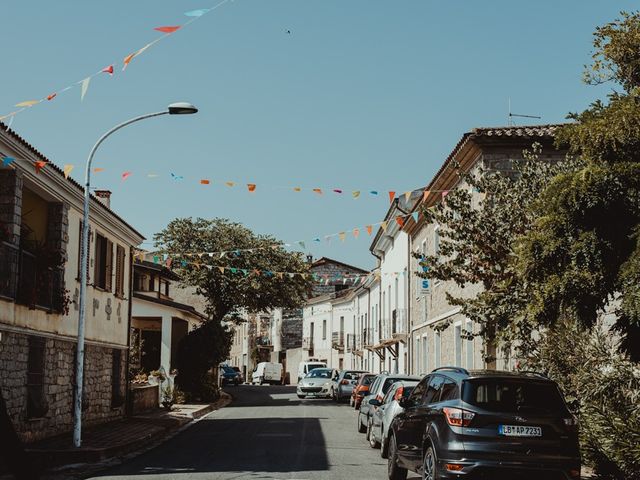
(40, 225)
(438, 332)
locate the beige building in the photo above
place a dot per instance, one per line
(40, 225)
(438, 330)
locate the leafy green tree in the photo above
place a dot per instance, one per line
(256, 283)
(583, 253)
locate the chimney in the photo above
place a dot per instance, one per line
(104, 197)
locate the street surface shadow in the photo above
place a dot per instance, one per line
(235, 445)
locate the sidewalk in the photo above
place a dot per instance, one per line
(114, 439)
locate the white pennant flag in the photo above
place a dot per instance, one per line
(84, 87)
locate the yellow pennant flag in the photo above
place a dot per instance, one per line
(67, 170)
(221, 269)
(342, 236)
(356, 194)
(297, 189)
(229, 184)
(279, 274)
(28, 103)
(407, 196)
(384, 226)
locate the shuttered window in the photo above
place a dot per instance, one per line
(103, 263)
(36, 402)
(120, 258)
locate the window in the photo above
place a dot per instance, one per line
(469, 344)
(324, 329)
(437, 339)
(36, 403)
(458, 344)
(449, 390)
(311, 332)
(416, 396)
(340, 363)
(433, 390)
(513, 396)
(417, 355)
(103, 263)
(120, 258)
(117, 399)
(425, 354)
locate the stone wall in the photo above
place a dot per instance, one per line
(335, 284)
(59, 380)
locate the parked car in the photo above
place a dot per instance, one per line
(267, 372)
(306, 367)
(343, 383)
(229, 375)
(378, 389)
(316, 383)
(361, 389)
(387, 410)
(240, 376)
(485, 424)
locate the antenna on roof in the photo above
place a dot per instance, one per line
(511, 115)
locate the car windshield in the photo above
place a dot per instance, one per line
(228, 370)
(319, 373)
(352, 375)
(513, 396)
(311, 366)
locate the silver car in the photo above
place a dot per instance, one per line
(343, 383)
(388, 408)
(316, 383)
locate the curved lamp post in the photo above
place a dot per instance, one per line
(180, 108)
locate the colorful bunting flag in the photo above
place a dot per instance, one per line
(251, 187)
(52, 96)
(369, 229)
(229, 184)
(6, 161)
(197, 13)
(400, 221)
(384, 226)
(67, 170)
(425, 194)
(168, 29)
(127, 61)
(125, 175)
(221, 269)
(108, 70)
(445, 193)
(205, 181)
(297, 189)
(337, 190)
(356, 232)
(342, 236)
(373, 192)
(415, 216)
(391, 196)
(28, 103)
(39, 165)
(98, 170)
(318, 191)
(84, 87)
(407, 196)
(356, 193)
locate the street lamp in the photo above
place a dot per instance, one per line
(179, 108)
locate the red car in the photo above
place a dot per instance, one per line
(361, 389)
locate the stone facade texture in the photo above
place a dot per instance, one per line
(59, 380)
(335, 272)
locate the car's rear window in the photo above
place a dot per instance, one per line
(368, 379)
(388, 382)
(512, 396)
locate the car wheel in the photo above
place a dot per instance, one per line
(394, 471)
(384, 447)
(429, 465)
(373, 443)
(361, 427)
(302, 396)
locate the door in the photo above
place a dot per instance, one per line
(407, 426)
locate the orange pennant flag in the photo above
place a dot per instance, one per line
(167, 29)
(39, 165)
(425, 195)
(369, 229)
(205, 181)
(251, 187)
(221, 269)
(391, 196)
(318, 191)
(356, 232)
(52, 96)
(127, 60)
(400, 221)
(98, 170)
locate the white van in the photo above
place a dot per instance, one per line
(306, 367)
(267, 372)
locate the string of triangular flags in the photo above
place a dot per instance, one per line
(112, 67)
(326, 279)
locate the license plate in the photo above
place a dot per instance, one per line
(519, 431)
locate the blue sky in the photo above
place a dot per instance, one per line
(362, 95)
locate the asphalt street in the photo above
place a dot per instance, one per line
(265, 433)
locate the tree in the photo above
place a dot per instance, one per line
(259, 275)
(478, 241)
(583, 254)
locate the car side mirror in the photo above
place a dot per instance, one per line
(375, 402)
(404, 402)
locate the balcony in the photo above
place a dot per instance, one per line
(263, 341)
(395, 328)
(25, 279)
(337, 341)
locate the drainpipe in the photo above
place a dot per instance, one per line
(408, 308)
(127, 393)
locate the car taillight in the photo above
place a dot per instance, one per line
(398, 394)
(458, 417)
(344, 382)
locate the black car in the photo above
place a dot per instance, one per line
(484, 425)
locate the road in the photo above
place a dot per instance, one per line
(266, 433)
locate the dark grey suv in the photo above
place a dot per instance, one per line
(484, 425)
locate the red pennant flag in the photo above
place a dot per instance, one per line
(444, 193)
(108, 70)
(167, 29)
(52, 96)
(251, 187)
(391, 196)
(39, 165)
(400, 221)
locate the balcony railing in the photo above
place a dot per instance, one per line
(263, 341)
(27, 283)
(337, 340)
(396, 326)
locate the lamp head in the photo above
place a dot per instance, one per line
(181, 108)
